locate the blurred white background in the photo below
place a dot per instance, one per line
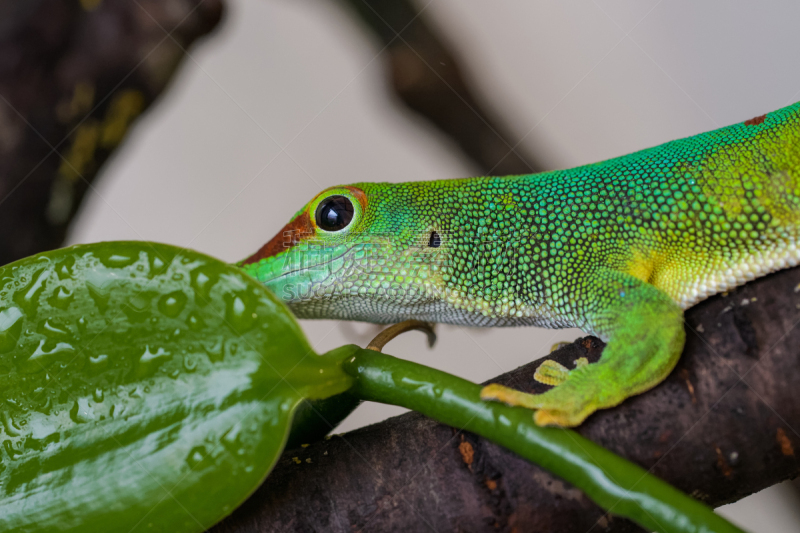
(289, 97)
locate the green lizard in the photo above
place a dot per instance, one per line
(618, 248)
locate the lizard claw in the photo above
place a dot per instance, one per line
(550, 409)
(551, 373)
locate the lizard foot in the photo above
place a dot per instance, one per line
(644, 328)
(553, 373)
(550, 411)
(564, 405)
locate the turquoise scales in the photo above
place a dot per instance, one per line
(599, 247)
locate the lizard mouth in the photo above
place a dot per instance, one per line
(295, 271)
(300, 274)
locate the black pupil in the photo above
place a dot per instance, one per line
(334, 213)
(435, 241)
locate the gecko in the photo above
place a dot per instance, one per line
(618, 248)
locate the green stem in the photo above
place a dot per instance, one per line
(612, 482)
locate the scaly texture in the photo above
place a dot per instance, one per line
(617, 248)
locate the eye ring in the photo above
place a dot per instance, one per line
(334, 213)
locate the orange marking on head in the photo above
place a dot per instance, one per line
(292, 233)
(755, 121)
(360, 196)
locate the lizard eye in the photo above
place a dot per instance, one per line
(334, 213)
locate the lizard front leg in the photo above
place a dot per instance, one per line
(645, 335)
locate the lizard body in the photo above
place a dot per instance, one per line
(618, 248)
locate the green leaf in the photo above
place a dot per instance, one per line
(143, 388)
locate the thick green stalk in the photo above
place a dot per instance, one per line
(615, 484)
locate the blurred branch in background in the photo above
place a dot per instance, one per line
(719, 428)
(73, 76)
(427, 78)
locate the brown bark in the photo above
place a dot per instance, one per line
(427, 78)
(719, 428)
(73, 76)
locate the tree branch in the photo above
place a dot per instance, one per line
(720, 428)
(427, 78)
(73, 76)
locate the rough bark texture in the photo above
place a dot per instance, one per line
(719, 428)
(427, 78)
(73, 76)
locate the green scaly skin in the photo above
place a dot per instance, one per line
(618, 248)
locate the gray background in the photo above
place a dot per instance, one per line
(289, 97)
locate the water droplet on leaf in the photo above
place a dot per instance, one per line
(8, 425)
(149, 361)
(11, 321)
(195, 322)
(28, 296)
(215, 350)
(203, 280)
(61, 297)
(172, 304)
(190, 363)
(238, 312)
(41, 358)
(64, 268)
(196, 456)
(81, 411)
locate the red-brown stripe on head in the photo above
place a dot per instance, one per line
(304, 226)
(359, 195)
(755, 121)
(296, 231)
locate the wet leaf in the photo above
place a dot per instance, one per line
(143, 388)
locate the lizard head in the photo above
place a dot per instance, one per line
(371, 252)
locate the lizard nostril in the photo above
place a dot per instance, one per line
(435, 241)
